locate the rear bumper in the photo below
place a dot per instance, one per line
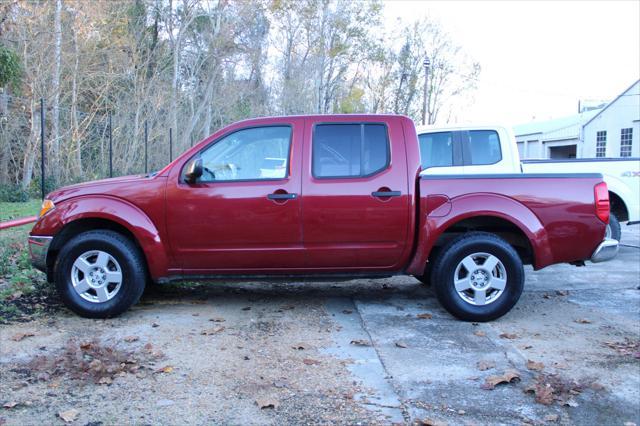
(38, 249)
(608, 249)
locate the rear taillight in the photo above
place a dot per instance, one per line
(602, 201)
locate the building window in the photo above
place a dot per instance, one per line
(601, 143)
(626, 138)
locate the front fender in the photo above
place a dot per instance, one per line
(433, 224)
(113, 209)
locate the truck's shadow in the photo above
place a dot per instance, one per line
(278, 291)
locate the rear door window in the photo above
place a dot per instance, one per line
(349, 150)
(482, 147)
(436, 149)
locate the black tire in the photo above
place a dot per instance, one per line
(129, 258)
(613, 228)
(444, 269)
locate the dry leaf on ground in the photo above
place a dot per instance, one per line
(485, 365)
(582, 321)
(480, 333)
(508, 376)
(401, 344)
(20, 336)
(166, 369)
(68, 416)
(536, 366)
(360, 342)
(425, 316)
(510, 336)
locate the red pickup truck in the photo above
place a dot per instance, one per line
(309, 196)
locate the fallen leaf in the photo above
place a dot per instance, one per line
(69, 415)
(425, 316)
(486, 365)
(508, 376)
(85, 346)
(551, 418)
(509, 336)
(130, 339)
(480, 333)
(582, 321)
(20, 336)
(217, 319)
(14, 296)
(431, 422)
(360, 342)
(309, 361)
(266, 403)
(211, 331)
(11, 404)
(536, 366)
(543, 392)
(166, 369)
(106, 380)
(401, 344)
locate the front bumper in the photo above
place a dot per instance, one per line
(607, 250)
(38, 249)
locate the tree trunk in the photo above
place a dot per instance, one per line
(55, 87)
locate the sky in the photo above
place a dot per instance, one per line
(538, 58)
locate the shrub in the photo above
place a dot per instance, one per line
(13, 193)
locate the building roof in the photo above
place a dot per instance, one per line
(565, 126)
(612, 102)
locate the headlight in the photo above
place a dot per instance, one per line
(47, 206)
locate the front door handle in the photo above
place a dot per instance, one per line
(386, 193)
(280, 196)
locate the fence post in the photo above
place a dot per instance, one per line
(110, 148)
(170, 144)
(146, 142)
(42, 189)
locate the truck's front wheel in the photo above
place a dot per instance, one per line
(478, 277)
(100, 274)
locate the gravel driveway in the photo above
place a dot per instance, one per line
(357, 352)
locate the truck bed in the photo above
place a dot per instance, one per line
(556, 211)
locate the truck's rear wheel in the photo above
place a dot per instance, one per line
(100, 274)
(478, 277)
(613, 228)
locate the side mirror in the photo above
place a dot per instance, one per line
(193, 170)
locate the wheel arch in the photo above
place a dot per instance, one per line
(484, 212)
(73, 216)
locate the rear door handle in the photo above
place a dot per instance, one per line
(282, 196)
(386, 193)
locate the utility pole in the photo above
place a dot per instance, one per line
(427, 64)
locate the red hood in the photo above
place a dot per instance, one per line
(104, 186)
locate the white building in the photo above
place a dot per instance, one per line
(615, 130)
(593, 133)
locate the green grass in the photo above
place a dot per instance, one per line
(10, 211)
(22, 288)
